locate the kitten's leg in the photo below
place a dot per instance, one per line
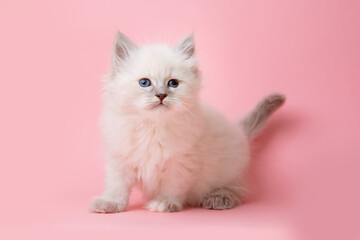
(118, 183)
(220, 199)
(174, 187)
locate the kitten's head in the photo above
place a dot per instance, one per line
(154, 80)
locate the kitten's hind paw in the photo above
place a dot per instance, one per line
(163, 205)
(101, 205)
(220, 199)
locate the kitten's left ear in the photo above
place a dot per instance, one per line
(187, 46)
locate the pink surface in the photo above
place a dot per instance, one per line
(306, 164)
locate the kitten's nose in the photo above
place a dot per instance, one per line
(161, 96)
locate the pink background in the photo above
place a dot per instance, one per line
(306, 165)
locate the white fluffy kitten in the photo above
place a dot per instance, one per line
(159, 135)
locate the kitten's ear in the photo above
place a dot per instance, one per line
(121, 49)
(186, 46)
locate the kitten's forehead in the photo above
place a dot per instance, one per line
(159, 61)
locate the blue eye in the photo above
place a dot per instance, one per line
(144, 82)
(173, 83)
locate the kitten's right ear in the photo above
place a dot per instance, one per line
(186, 46)
(121, 49)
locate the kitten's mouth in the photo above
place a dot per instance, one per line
(160, 105)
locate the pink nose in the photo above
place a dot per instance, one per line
(161, 96)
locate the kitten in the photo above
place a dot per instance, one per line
(159, 135)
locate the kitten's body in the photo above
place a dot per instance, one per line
(182, 152)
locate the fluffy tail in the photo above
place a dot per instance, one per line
(255, 121)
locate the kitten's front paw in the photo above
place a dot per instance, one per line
(163, 205)
(101, 205)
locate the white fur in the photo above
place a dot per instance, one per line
(178, 153)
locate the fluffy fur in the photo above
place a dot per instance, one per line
(181, 152)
